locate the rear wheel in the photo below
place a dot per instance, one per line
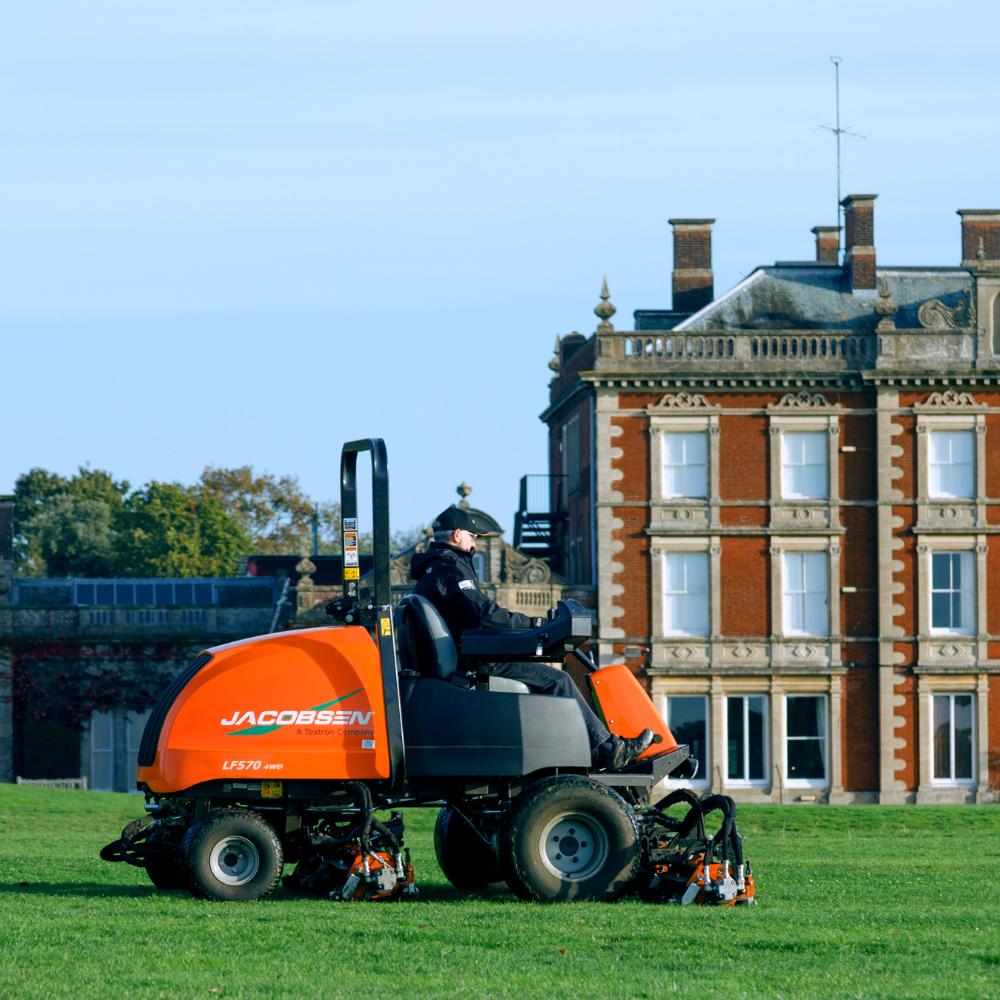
(465, 857)
(569, 838)
(232, 854)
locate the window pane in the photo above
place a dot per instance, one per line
(203, 592)
(963, 736)
(734, 739)
(84, 593)
(143, 593)
(755, 736)
(105, 593)
(805, 584)
(942, 736)
(804, 465)
(941, 570)
(806, 759)
(951, 464)
(124, 593)
(686, 717)
(685, 466)
(805, 716)
(686, 593)
(183, 593)
(164, 593)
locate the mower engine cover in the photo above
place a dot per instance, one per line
(292, 705)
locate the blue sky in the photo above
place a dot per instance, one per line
(243, 232)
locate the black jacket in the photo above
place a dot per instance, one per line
(447, 578)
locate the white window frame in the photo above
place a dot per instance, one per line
(703, 557)
(791, 782)
(938, 434)
(819, 434)
(684, 437)
(951, 412)
(806, 558)
(967, 592)
(745, 749)
(952, 782)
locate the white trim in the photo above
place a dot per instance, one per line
(823, 782)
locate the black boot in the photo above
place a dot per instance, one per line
(617, 752)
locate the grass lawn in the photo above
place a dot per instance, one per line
(853, 902)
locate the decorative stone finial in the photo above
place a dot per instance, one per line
(463, 490)
(554, 361)
(305, 567)
(604, 310)
(885, 307)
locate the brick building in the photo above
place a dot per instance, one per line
(788, 498)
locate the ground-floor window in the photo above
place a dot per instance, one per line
(687, 717)
(806, 739)
(114, 749)
(746, 738)
(954, 738)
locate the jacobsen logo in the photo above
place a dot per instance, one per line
(270, 719)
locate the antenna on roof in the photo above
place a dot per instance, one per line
(838, 132)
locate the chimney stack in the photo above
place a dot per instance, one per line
(980, 236)
(693, 285)
(827, 243)
(859, 243)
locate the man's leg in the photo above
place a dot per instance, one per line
(548, 680)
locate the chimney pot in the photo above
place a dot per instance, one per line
(693, 282)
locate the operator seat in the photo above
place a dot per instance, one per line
(427, 648)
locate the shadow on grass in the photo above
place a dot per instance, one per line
(436, 893)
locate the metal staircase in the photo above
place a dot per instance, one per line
(540, 517)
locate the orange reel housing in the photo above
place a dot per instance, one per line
(627, 709)
(291, 705)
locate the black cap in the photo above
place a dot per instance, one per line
(455, 518)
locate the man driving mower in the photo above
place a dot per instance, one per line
(446, 576)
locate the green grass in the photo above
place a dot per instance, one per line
(853, 902)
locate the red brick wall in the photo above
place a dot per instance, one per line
(859, 561)
(907, 576)
(743, 457)
(859, 730)
(634, 576)
(634, 460)
(744, 587)
(857, 468)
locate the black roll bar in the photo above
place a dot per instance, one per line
(382, 592)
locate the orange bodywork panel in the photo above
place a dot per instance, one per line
(627, 709)
(292, 705)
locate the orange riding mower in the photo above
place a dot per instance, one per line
(283, 749)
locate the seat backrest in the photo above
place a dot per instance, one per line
(425, 644)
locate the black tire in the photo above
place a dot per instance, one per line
(168, 870)
(467, 860)
(232, 855)
(569, 838)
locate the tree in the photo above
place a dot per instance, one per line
(173, 530)
(64, 526)
(273, 510)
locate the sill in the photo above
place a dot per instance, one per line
(807, 782)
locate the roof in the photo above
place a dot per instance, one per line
(817, 296)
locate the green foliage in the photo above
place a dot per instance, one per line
(173, 530)
(273, 510)
(91, 524)
(858, 902)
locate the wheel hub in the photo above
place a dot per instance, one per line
(235, 860)
(573, 846)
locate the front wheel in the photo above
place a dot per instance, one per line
(569, 838)
(232, 854)
(463, 854)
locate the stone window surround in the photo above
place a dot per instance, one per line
(684, 512)
(675, 649)
(768, 749)
(797, 649)
(929, 789)
(702, 779)
(960, 649)
(946, 511)
(810, 514)
(776, 688)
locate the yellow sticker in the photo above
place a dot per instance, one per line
(270, 789)
(352, 573)
(386, 625)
